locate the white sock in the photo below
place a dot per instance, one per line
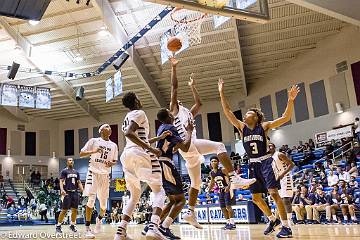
(167, 222)
(272, 218)
(58, 224)
(285, 223)
(72, 223)
(345, 218)
(232, 221)
(334, 217)
(123, 224)
(228, 220)
(353, 218)
(155, 219)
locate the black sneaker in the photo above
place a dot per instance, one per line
(168, 233)
(145, 230)
(227, 227)
(285, 232)
(73, 228)
(58, 229)
(271, 226)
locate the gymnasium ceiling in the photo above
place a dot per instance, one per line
(68, 29)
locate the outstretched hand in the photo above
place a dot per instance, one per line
(192, 81)
(165, 134)
(221, 85)
(173, 61)
(293, 92)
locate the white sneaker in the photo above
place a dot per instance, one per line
(121, 235)
(239, 182)
(98, 226)
(154, 233)
(191, 218)
(89, 233)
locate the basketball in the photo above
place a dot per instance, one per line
(174, 44)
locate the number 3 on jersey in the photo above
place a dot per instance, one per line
(254, 148)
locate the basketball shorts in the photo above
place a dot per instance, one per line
(172, 182)
(264, 175)
(71, 200)
(140, 166)
(286, 190)
(199, 148)
(97, 184)
(225, 199)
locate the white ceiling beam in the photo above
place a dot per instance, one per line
(119, 33)
(63, 85)
(238, 48)
(344, 10)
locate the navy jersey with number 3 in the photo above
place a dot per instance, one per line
(255, 141)
(219, 178)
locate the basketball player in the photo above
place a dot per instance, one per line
(199, 147)
(103, 155)
(220, 177)
(69, 185)
(171, 178)
(282, 166)
(140, 163)
(254, 135)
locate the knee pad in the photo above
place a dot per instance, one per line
(221, 149)
(91, 201)
(159, 199)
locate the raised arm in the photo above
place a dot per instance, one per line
(196, 107)
(293, 92)
(289, 164)
(174, 87)
(132, 136)
(226, 108)
(162, 136)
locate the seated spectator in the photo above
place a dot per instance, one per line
(302, 204)
(23, 214)
(311, 144)
(353, 183)
(294, 150)
(12, 212)
(22, 202)
(343, 175)
(334, 201)
(353, 170)
(323, 178)
(348, 207)
(332, 179)
(9, 201)
(322, 203)
(300, 147)
(2, 183)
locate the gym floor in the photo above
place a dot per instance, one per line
(186, 232)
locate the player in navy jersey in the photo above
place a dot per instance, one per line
(254, 132)
(220, 177)
(169, 141)
(70, 185)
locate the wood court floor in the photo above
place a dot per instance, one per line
(210, 232)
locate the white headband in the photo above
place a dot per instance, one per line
(103, 126)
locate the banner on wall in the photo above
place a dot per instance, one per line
(109, 90)
(324, 138)
(9, 95)
(118, 86)
(43, 98)
(120, 185)
(27, 96)
(215, 215)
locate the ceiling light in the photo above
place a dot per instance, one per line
(78, 58)
(33, 22)
(103, 31)
(17, 49)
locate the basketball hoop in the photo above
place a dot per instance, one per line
(189, 22)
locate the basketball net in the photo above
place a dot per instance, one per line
(190, 22)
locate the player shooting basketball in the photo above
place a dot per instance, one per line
(254, 133)
(199, 147)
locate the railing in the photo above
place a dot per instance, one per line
(331, 154)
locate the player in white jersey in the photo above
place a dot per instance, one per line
(140, 164)
(282, 166)
(199, 147)
(103, 155)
